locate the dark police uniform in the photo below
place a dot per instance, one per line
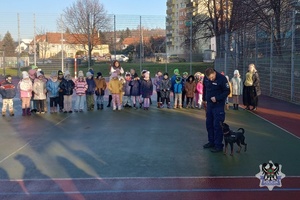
(219, 88)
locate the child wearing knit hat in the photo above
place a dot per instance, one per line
(52, 86)
(25, 86)
(100, 89)
(8, 92)
(80, 88)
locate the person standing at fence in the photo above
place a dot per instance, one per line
(52, 86)
(116, 88)
(157, 81)
(135, 92)
(178, 93)
(67, 85)
(237, 88)
(190, 87)
(165, 87)
(184, 79)
(39, 89)
(25, 87)
(32, 76)
(114, 67)
(100, 90)
(80, 89)
(60, 78)
(8, 92)
(90, 99)
(215, 91)
(251, 88)
(146, 90)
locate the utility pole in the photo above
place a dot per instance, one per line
(34, 40)
(19, 50)
(62, 46)
(89, 42)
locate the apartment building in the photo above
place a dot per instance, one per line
(178, 27)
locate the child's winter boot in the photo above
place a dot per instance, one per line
(28, 112)
(169, 105)
(23, 112)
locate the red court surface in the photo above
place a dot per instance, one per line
(283, 114)
(148, 188)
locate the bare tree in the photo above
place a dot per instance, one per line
(84, 18)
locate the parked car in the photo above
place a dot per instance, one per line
(120, 57)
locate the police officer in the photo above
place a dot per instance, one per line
(215, 92)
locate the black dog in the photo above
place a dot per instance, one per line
(231, 137)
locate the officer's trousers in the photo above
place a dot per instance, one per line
(215, 115)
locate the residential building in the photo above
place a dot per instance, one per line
(50, 45)
(178, 27)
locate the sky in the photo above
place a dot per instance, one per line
(134, 7)
(48, 11)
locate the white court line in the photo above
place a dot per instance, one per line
(139, 178)
(275, 125)
(14, 152)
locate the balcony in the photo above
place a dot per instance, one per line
(169, 34)
(169, 43)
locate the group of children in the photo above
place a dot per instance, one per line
(128, 91)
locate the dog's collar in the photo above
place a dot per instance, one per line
(227, 133)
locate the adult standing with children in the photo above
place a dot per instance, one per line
(251, 89)
(215, 91)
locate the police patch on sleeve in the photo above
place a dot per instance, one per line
(227, 85)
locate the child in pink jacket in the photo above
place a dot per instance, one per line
(25, 87)
(199, 90)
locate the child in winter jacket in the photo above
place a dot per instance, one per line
(39, 89)
(157, 81)
(237, 89)
(90, 100)
(135, 90)
(100, 89)
(199, 91)
(146, 90)
(177, 89)
(165, 87)
(67, 86)
(126, 89)
(190, 87)
(8, 92)
(26, 88)
(80, 89)
(52, 86)
(115, 87)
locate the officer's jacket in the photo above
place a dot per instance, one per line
(219, 88)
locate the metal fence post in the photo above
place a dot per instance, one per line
(271, 58)
(293, 54)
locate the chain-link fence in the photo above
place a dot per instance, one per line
(276, 56)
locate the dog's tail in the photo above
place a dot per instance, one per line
(242, 130)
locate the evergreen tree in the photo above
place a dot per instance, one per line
(8, 45)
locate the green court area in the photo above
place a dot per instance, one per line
(136, 143)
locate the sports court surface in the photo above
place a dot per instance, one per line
(137, 154)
